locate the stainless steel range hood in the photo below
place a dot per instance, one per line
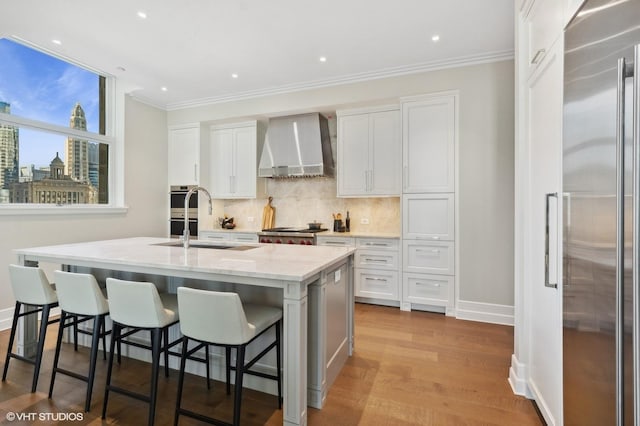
(297, 146)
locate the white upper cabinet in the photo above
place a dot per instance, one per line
(543, 25)
(184, 155)
(233, 160)
(369, 152)
(428, 139)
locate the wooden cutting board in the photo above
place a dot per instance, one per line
(268, 215)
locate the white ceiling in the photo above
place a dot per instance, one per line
(193, 47)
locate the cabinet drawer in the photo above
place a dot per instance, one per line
(213, 236)
(376, 259)
(247, 237)
(428, 289)
(378, 243)
(429, 257)
(335, 241)
(376, 284)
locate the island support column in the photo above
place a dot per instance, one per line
(27, 334)
(295, 311)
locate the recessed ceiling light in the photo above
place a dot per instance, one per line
(56, 41)
(435, 38)
(142, 15)
(234, 75)
(164, 89)
(323, 59)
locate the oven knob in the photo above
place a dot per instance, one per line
(290, 242)
(263, 240)
(302, 242)
(278, 241)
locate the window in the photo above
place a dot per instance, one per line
(54, 144)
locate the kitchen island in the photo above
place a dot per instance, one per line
(312, 284)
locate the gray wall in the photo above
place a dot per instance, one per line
(486, 169)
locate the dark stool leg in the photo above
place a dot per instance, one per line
(206, 356)
(278, 365)
(115, 335)
(104, 339)
(98, 323)
(56, 358)
(237, 399)
(156, 340)
(44, 321)
(165, 335)
(75, 333)
(14, 326)
(227, 353)
(183, 362)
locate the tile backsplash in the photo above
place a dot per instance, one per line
(299, 201)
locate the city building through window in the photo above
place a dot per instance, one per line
(53, 145)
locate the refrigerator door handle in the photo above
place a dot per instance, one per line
(620, 113)
(547, 283)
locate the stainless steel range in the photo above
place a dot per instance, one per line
(301, 236)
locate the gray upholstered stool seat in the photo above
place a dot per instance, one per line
(220, 319)
(137, 306)
(81, 299)
(31, 288)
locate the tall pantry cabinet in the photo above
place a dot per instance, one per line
(429, 135)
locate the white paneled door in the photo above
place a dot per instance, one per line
(543, 296)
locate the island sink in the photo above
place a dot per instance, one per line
(205, 245)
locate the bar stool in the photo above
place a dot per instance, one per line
(31, 288)
(139, 306)
(220, 319)
(81, 299)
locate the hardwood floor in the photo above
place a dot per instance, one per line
(409, 368)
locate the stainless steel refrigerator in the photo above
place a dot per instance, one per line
(601, 216)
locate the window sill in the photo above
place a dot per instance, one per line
(43, 210)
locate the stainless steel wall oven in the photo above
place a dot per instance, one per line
(177, 194)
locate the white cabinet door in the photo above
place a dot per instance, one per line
(353, 154)
(385, 153)
(544, 304)
(184, 155)
(221, 171)
(369, 158)
(233, 161)
(428, 144)
(428, 216)
(245, 162)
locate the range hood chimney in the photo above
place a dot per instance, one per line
(297, 146)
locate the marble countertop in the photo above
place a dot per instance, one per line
(271, 261)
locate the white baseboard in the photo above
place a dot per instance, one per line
(485, 312)
(517, 378)
(6, 317)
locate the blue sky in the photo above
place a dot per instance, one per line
(44, 88)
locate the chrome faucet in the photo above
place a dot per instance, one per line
(185, 235)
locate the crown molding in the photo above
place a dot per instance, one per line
(353, 78)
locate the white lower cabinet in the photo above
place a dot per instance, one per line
(432, 257)
(377, 267)
(376, 284)
(428, 289)
(211, 235)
